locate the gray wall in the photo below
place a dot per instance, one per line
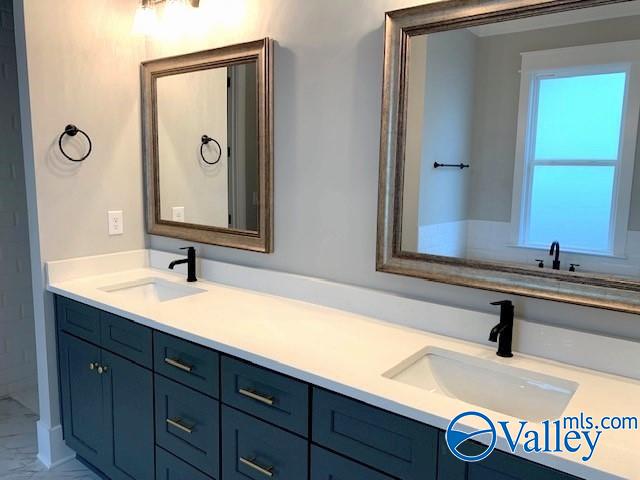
(417, 72)
(496, 108)
(447, 126)
(17, 335)
(328, 83)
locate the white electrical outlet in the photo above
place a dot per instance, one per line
(177, 214)
(116, 222)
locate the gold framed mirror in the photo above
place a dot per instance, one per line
(508, 157)
(207, 120)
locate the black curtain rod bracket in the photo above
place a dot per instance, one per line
(455, 165)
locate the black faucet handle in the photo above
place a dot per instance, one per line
(503, 303)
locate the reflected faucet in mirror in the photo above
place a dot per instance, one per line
(555, 250)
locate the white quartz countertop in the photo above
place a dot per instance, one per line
(349, 354)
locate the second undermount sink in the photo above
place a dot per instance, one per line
(519, 393)
(151, 289)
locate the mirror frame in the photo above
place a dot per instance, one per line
(595, 290)
(259, 51)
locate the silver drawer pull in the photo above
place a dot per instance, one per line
(178, 364)
(251, 462)
(268, 399)
(177, 422)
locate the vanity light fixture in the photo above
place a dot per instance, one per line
(146, 19)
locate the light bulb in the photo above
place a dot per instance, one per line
(145, 21)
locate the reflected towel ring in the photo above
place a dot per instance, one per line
(72, 131)
(206, 139)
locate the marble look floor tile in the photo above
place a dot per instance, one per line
(18, 449)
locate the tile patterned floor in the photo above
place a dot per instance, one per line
(18, 449)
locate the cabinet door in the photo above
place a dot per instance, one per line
(82, 398)
(497, 466)
(128, 390)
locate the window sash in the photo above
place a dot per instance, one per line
(611, 57)
(525, 226)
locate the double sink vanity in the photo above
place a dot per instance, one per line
(167, 379)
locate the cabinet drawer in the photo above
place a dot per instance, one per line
(252, 449)
(329, 466)
(273, 397)
(193, 365)
(78, 319)
(393, 444)
(169, 467)
(187, 425)
(497, 466)
(126, 338)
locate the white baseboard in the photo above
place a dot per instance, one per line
(52, 450)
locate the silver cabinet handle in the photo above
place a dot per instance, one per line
(247, 392)
(251, 462)
(178, 364)
(93, 365)
(102, 369)
(177, 422)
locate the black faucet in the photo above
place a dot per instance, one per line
(555, 248)
(190, 261)
(504, 329)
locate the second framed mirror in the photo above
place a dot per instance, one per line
(208, 135)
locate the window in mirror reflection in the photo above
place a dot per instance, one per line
(545, 112)
(576, 137)
(572, 179)
(215, 184)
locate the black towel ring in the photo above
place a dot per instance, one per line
(206, 139)
(72, 131)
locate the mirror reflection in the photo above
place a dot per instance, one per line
(208, 147)
(521, 142)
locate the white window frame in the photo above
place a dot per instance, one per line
(571, 61)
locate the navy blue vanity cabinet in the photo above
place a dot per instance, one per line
(265, 394)
(188, 425)
(253, 449)
(126, 338)
(102, 419)
(128, 392)
(387, 442)
(329, 466)
(193, 365)
(169, 467)
(82, 399)
(106, 399)
(497, 466)
(139, 404)
(78, 319)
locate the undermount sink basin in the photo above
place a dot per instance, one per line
(152, 290)
(512, 391)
